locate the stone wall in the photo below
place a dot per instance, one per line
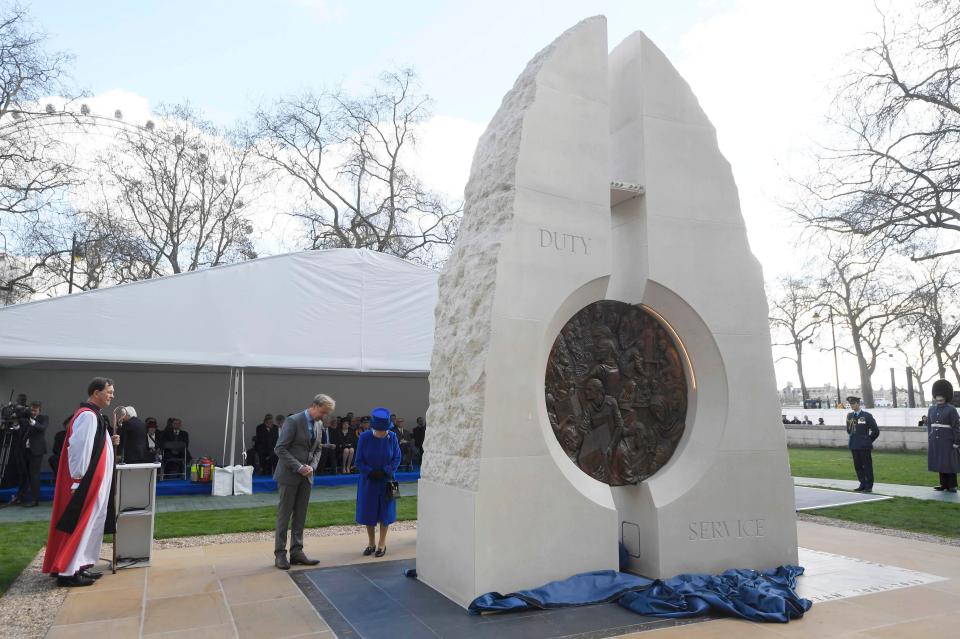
(891, 437)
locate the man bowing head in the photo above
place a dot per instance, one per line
(82, 507)
(298, 452)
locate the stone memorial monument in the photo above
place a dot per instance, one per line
(602, 371)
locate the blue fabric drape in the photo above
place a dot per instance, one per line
(748, 594)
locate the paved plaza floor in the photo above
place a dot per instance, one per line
(864, 586)
(891, 490)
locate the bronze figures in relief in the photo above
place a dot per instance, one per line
(616, 392)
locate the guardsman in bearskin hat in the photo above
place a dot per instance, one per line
(863, 430)
(943, 436)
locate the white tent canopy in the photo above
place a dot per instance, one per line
(339, 309)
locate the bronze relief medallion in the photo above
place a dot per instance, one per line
(616, 392)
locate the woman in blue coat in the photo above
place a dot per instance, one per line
(943, 433)
(377, 459)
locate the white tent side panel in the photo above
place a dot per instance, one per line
(340, 309)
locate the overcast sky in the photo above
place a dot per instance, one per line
(762, 70)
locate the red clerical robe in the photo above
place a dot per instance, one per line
(80, 518)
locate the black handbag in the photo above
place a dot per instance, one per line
(393, 490)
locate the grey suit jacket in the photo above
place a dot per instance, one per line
(294, 449)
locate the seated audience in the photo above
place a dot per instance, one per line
(820, 422)
(419, 432)
(406, 446)
(54, 460)
(785, 420)
(263, 444)
(178, 457)
(346, 440)
(253, 456)
(923, 422)
(153, 440)
(328, 448)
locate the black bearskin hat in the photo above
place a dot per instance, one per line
(942, 388)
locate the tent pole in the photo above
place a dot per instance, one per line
(243, 415)
(233, 439)
(226, 424)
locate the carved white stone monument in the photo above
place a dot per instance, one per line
(599, 178)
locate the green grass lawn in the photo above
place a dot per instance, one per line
(903, 513)
(836, 463)
(20, 542)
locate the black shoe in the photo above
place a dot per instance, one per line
(380, 552)
(90, 573)
(281, 562)
(30, 504)
(302, 560)
(868, 490)
(951, 490)
(859, 489)
(939, 488)
(74, 581)
(369, 550)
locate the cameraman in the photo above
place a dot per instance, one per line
(14, 419)
(34, 440)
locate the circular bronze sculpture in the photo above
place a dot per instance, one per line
(616, 392)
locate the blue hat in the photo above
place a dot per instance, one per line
(380, 419)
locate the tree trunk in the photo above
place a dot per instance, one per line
(803, 383)
(866, 385)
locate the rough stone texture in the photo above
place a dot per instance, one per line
(467, 286)
(500, 503)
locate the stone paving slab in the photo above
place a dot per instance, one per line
(893, 490)
(808, 498)
(866, 585)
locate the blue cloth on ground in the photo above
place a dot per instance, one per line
(748, 594)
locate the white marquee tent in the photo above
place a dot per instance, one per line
(356, 324)
(339, 310)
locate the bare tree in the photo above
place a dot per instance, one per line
(938, 320)
(179, 192)
(793, 307)
(348, 157)
(861, 289)
(916, 348)
(896, 174)
(33, 174)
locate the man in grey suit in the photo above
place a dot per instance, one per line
(298, 450)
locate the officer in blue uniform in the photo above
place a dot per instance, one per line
(863, 430)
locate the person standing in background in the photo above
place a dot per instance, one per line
(34, 448)
(863, 431)
(133, 437)
(943, 437)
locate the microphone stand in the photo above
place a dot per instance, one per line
(117, 454)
